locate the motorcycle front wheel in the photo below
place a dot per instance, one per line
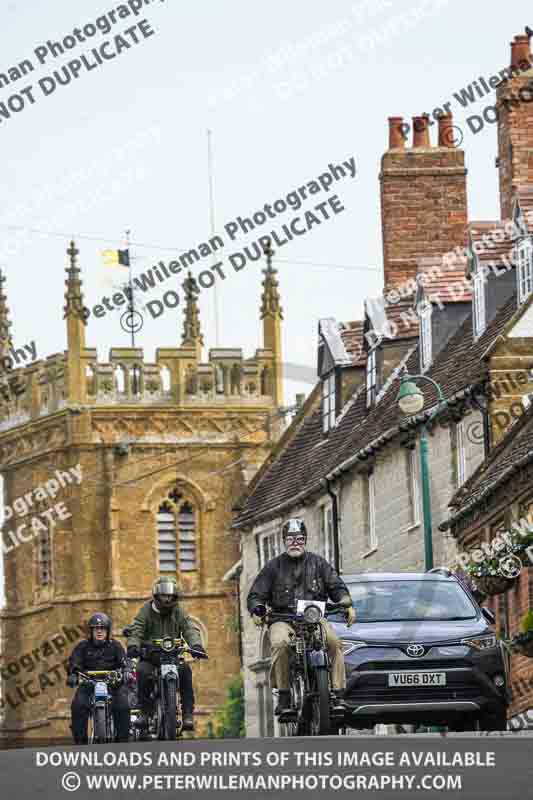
(320, 714)
(100, 727)
(169, 715)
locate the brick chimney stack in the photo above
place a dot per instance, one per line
(423, 196)
(514, 103)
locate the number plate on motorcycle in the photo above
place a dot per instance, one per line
(100, 689)
(412, 678)
(168, 669)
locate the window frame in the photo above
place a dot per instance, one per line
(426, 337)
(274, 547)
(413, 488)
(371, 377)
(327, 538)
(329, 401)
(460, 454)
(480, 306)
(182, 542)
(524, 269)
(372, 542)
(45, 584)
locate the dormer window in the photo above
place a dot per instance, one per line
(371, 378)
(524, 269)
(480, 317)
(425, 334)
(328, 402)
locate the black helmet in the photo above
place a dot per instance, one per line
(99, 620)
(294, 527)
(166, 588)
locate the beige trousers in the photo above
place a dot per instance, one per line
(279, 648)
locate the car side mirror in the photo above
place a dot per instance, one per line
(489, 616)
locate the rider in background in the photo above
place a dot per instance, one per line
(97, 652)
(159, 617)
(298, 575)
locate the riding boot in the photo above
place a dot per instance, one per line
(284, 701)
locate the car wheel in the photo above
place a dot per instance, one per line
(494, 721)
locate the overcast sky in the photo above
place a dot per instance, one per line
(286, 89)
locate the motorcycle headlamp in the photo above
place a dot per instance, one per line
(312, 614)
(167, 644)
(481, 642)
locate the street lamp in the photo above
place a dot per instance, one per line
(411, 401)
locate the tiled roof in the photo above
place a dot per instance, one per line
(491, 241)
(511, 453)
(352, 337)
(445, 280)
(394, 320)
(310, 457)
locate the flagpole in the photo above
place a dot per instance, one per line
(131, 307)
(212, 223)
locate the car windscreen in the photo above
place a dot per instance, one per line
(383, 601)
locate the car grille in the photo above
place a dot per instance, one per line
(413, 663)
(412, 694)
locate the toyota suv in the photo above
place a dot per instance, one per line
(421, 652)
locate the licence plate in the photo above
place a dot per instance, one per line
(168, 669)
(100, 690)
(412, 678)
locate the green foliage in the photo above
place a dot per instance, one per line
(230, 717)
(527, 622)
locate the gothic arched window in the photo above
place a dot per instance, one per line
(176, 534)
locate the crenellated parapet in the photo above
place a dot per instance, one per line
(179, 377)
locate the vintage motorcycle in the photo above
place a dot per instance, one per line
(101, 727)
(167, 655)
(311, 712)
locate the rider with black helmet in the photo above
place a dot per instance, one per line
(159, 617)
(98, 652)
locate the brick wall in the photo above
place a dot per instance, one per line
(515, 130)
(423, 202)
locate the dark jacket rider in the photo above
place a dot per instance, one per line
(98, 652)
(292, 576)
(162, 616)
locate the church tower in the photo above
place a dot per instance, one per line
(115, 473)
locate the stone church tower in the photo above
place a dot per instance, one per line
(165, 449)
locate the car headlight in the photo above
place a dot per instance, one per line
(481, 642)
(167, 644)
(312, 614)
(349, 646)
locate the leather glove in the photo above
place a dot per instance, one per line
(350, 616)
(198, 651)
(72, 680)
(133, 651)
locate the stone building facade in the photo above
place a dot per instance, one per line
(164, 449)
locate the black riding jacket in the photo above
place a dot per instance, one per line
(278, 586)
(89, 655)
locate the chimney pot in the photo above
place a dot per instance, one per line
(421, 131)
(446, 132)
(396, 135)
(520, 50)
